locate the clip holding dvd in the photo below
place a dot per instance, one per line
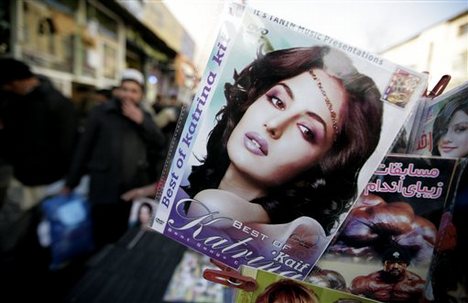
(229, 277)
(439, 87)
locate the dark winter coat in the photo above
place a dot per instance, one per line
(117, 153)
(38, 134)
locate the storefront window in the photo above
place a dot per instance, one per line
(48, 35)
(463, 29)
(99, 44)
(108, 27)
(90, 60)
(66, 6)
(110, 61)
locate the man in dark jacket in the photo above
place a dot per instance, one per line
(38, 126)
(118, 150)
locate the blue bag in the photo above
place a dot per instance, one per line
(70, 227)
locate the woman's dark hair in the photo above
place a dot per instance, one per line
(443, 118)
(287, 291)
(324, 191)
(142, 205)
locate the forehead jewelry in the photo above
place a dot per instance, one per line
(327, 101)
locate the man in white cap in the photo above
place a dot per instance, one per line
(131, 94)
(118, 149)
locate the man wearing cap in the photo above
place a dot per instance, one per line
(38, 126)
(392, 284)
(117, 150)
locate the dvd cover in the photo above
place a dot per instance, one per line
(286, 129)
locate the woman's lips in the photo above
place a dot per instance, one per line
(256, 144)
(447, 149)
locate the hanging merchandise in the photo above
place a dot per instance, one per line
(286, 130)
(280, 289)
(384, 249)
(436, 118)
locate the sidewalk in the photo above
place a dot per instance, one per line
(137, 268)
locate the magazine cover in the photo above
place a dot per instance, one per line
(384, 248)
(448, 278)
(188, 285)
(285, 131)
(441, 124)
(271, 287)
(401, 143)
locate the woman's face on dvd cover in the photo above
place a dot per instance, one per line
(287, 130)
(454, 143)
(144, 214)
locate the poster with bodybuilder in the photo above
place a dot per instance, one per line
(287, 127)
(384, 248)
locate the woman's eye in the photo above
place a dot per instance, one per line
(460, 128)
(277, 102)
(308, 134)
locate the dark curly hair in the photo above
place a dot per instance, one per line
(324, 191)
(444, 116)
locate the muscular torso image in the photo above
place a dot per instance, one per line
(383, 287)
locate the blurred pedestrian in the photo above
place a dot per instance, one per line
(167, 112)
(102, 95)
(38, 126)
(118, 150)
(115, 92)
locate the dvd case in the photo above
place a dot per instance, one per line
(437, 123)
(384, 248)
(286, 129)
